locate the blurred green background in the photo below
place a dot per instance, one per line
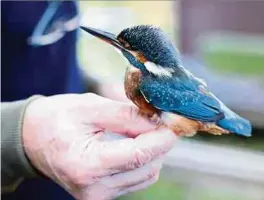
(226, 53)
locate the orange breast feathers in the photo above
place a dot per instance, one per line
(132, 80)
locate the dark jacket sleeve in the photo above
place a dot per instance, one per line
(15, 165)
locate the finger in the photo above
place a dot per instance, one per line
(140, 186)
(121, 118)
(127, 154)
(109, 187)
(101, 193)
(134, 177)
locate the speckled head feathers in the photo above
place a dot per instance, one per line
(152, 42)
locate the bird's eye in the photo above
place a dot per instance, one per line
(127, 46)
(124, 44)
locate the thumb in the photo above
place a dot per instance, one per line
(122, 118)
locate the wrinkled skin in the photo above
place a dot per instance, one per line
(63, 136)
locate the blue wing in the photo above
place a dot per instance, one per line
(174, 95)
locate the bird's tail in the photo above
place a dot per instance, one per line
(234, 123)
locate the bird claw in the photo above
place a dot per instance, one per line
(156, 119)
(153, 117)
(213, 129)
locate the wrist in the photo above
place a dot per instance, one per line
(28, 135)
(25, 140)
(16, 165)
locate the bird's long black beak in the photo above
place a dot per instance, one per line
(105, 36)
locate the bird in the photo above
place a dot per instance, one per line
(164, 90)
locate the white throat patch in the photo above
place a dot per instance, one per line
(158, 70)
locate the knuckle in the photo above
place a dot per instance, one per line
(140, 158)
(154, 180)
(92, 96)
(154, 173)
(156, 177)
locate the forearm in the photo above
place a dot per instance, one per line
(15, 165)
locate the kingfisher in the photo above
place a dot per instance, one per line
(164, 90)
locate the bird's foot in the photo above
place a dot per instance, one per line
(155, 118)
(213, 129)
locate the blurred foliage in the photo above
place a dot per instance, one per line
(239, 63)
(163, 189)
(236, 53)
(169, 190)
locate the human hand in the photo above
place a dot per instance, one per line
(63, 136)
